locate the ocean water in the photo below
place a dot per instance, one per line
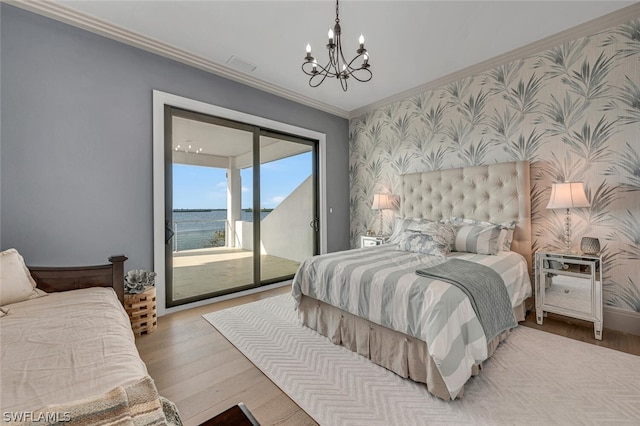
(200, 229)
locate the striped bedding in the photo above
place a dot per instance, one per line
(380, 285)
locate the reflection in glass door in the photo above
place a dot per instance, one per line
(228, 227)
(206, 256)
(288, 221)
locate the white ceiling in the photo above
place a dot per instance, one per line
(410, 43)
(205, 144)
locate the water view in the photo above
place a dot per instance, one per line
(201, 228)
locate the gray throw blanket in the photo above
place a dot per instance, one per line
(485, 289)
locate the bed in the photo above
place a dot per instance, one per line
(371, 300)
(68, 350)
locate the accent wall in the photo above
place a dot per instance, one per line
(572, 111)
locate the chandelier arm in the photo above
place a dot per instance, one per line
(319, 69)
(343, 83)
(361, 80)
(347, 64)
(336, 55)
(324, 76)
(352, 68)
(327, 70)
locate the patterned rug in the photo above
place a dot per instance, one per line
(533, 378)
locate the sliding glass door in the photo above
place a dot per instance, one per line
(288, 219)
(241, 206)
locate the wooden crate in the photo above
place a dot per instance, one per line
(142, 311)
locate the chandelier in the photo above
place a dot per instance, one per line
(337, 66)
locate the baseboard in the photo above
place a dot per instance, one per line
(621, 320)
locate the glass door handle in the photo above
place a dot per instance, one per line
(168, 232)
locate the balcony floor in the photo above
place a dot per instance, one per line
(202, 271)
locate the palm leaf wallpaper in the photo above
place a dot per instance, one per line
(572, 111)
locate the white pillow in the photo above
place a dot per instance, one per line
(476, 239)
(16, 283)
(506, 230)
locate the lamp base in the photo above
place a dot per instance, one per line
(567, 233)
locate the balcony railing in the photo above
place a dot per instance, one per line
(195, 234)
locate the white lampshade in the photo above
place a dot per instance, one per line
(567, 195)
(382, 201)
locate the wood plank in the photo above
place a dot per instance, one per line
(583, 330)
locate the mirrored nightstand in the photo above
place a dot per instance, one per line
(571, 285)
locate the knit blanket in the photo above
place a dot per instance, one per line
(137, 404)
(485, 289)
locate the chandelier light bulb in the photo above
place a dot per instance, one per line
(308, 48)
(361, 40)
(330, 34)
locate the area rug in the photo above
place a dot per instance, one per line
(533, 378)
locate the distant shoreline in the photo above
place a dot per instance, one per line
(199, 210)
(214, 210)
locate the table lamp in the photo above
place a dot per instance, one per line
(567, 195)
(382, 202)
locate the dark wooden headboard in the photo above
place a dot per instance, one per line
(53, 279)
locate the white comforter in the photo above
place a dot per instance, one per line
(64, 347)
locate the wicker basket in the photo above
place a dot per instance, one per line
(142, 311)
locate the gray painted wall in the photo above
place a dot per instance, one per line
(76, 147)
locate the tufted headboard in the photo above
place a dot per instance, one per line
(495, 193)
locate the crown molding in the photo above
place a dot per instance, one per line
(86, 22)
(77, 19)
(596, 25)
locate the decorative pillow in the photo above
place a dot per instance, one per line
(401, 224)
(476, 239)
(504, 242)
(506, 230)
(432, 243)
(445, 230)
(16, 283)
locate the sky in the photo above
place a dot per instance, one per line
(197, 187)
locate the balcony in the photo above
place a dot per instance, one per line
(221, 269)
(212, 257)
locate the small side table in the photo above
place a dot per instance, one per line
(570, 285)
(372, 240)
(141, 308)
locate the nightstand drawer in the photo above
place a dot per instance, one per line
(569, 293)
(372, 240)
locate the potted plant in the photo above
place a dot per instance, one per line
(137, 280)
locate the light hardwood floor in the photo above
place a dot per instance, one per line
(197, 368)
(194, 366)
